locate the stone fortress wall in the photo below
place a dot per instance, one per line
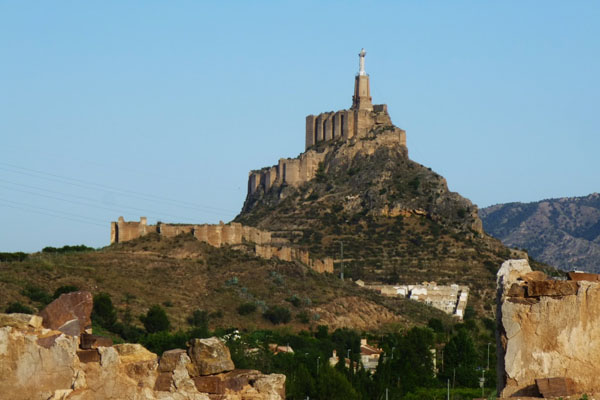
(219, 235)
(355, 123)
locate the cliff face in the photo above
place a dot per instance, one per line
(547, 333)
(563, 232)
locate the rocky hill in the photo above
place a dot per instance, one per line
(182, 275)
(563, 232)
(397, 220)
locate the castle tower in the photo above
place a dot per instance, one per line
(362, 92)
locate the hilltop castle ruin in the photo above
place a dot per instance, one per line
(361, 120)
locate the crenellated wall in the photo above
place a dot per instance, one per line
(290, 171)
(344, 124)
(218, 235)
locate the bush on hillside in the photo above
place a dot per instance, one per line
(278, 315)
(17, 307)
(64, 289)
(246, 308)
(37, 294)
(104, 313)
(156, 320)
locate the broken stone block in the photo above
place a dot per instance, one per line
(210, 356)
(47, 341)
(89, 341)
(551, 288)
(516, 290)
(534, 276)
(133, 353)
(583, 276)
(87, 356)
(71, 328)
(170, 359)
(163, 382)
(69, 306)
(209, 384)
(555, 387)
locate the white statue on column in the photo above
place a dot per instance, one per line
(361, 55)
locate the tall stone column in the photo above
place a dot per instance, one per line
(362, 92)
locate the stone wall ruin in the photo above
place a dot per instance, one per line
(219, 235)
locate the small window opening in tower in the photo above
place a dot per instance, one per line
(342, 125)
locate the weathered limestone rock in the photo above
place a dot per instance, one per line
(551, 330)
(29, 371)
(38, 364)
(59, 314)
(210, 356)
(20, 321)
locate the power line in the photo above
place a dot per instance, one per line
(51, 213)
(95, 186)
(141, 210)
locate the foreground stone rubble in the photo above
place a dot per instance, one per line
(548, 333)
(47, 364)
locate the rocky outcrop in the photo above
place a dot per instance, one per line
(548, 336)
(45, 364)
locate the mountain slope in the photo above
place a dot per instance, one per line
(563, 232)
(183, 274)
(397, 219)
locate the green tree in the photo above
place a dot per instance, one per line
(155, 320)
(333, 385)
(103, 312)
(460, 360)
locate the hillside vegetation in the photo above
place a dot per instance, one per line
(183, 275)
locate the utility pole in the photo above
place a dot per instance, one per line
(448, 396)
(318, 358)
(488, 356)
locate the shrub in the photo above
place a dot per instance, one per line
(17, 307)
(303, 317)
(64, 289)
(18, 256)
(294, 300)
(199, 318)
(155, 320)
(37, 294)
(278, 315)
(104, 313)
(67, 249)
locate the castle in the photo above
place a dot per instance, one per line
(361, 120)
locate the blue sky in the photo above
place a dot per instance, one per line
(161, 108)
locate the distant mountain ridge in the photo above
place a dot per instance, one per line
(563, 232)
